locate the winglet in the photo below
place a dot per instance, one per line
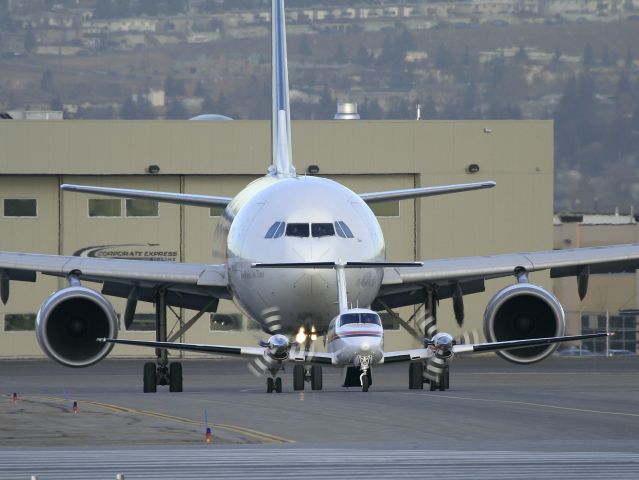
(282, 163)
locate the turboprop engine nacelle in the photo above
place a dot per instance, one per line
(523, 311)
(68, 323)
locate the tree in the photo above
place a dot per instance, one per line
(30, 41)
(47, 83)
(56, 104)
(588, 57)
(629, 63)
(176, 111)
(556, 58)
(208, 106)
(305, 47)
(444, 57)
(129, 110)
(200, 91)
(362, 57)
(521, 55)
(174, 87)
(326, 107)
(340, 55)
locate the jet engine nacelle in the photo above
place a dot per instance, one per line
(523, 311)
(68, 323)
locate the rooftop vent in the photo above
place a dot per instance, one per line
(347, 111)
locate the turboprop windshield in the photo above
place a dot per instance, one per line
(357, 318)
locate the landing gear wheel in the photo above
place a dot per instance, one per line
(278, 385)
(270, 385)
(433, 385)
(316, 377)
(365, 383)
(150, 378)
(298, 377)
(175, 377)
(416, 376)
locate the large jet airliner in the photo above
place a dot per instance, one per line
(296, 251)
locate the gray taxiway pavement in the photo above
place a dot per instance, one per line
(565, 417)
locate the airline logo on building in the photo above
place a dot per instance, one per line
(130, 251)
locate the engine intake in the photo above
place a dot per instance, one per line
(520, 312)
(68, 323)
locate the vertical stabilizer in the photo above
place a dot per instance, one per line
(281, 127)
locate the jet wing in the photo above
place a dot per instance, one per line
(402, 285)
(190, 285)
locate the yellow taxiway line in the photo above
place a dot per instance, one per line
(248, 432)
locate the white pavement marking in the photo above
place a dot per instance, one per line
(268, 463)
(528, 404)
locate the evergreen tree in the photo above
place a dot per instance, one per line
(56, 104)
(340, 55)
(588, 57)
(176, 111)
(47, 83)
(305, 47)
(362, 56)
(30, 41)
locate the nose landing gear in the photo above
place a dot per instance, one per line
(364, 365)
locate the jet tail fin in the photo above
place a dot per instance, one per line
(282, 163)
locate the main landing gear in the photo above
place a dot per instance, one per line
(417, 379)
(307, 373)
(274, 384)
(161, 372)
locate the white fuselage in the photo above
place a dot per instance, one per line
(295, 298)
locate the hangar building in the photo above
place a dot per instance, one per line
(219, 158)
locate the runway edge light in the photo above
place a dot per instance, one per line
(14, 397)
(209, 435)
(75, 407)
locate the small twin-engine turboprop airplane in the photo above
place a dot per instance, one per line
(282, 241)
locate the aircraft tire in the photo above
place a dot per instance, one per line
(433, 386)
(270, 385)
(298, 377)
(365, 384)
(175, 377)
(150, 378)
(316, 377)
(446, 379)
(416, 376)
(278, 384)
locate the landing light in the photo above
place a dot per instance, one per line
(301, 336)
(313, 334)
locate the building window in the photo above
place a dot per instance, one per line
(385, 209)
(142, 208)
(20, 207)
(216, 211)
(19, 322)
(105, 207)
(389, 322)
(226, 322)
(143, 322)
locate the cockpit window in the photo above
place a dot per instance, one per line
(271, 231)
(349, 318)
(322, 229)
(297, 230)
(280, 230)
(343, 230)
